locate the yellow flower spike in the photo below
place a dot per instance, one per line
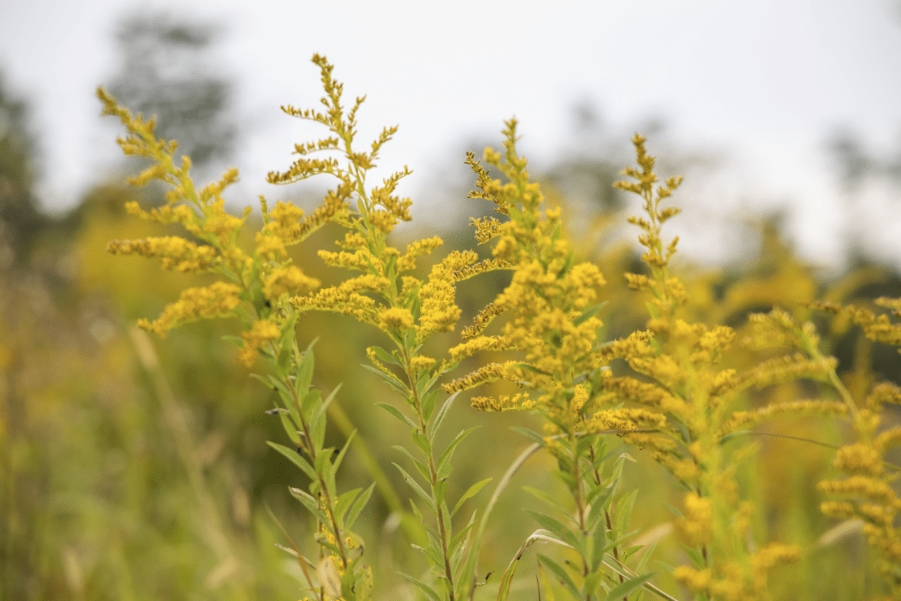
(486, 374)
(217, 300)
(360, 260)
(421, 363)
(481, 321)
(482, 343)
(862, 486)
(395, 318)
(697, 525)
(859, 458)
(288, 280)
(504, 402)
(439, 312)
(174, 253)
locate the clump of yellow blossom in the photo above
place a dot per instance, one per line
(216, 300)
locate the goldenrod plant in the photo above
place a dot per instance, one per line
(679, 395)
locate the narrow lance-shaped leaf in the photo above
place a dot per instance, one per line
(295, 458)
(625, 588)
(391, 409)
(470, 492)
(358, 506)
(444, 462)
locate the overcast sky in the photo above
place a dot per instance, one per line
(764, 82)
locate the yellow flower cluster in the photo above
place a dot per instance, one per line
(173, 252)
(880, 329)
(260, 333)
(868, 485)
(546, 296)
(503, 402)
(437, 297)
(481, 343)
(216, 300)
(395, 318)
(417, 249)
(738, 581)
(345, 298)
(697, 524)
(287, 280)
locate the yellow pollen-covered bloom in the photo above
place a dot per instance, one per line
(395, 317)
(216, 300)
(288, 280)
(697, 525)
(421, 362)
(174, 252)
(259, 334)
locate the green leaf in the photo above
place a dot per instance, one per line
(305, 372)
(397, 413)
(624, 510)
(444, 464)
(442, 413)
(296, 459)
(561, 574)
(462, 533)
(470, 492)
(420, 466)
(317, 428)
(421, 441)
(422, 381)
(410, 341)
(391, 380)
(337, 462)
(592, 582)
(423, 586)
(530, 434)
(697, 558)
(358, 506)
(625, 588)
(286, 340)
(328, 401)
(308, 501)
(238, 342)
(588, 313)
(385, 356)
(555, 527)
(440, 490)
(543, 496)
(342, 504)
(418, 489)
(290, 427)
(428, 406)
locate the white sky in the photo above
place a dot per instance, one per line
(763, 81)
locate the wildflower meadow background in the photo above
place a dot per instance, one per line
(320, 399)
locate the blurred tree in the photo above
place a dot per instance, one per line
(856, 164)
(167, 71)
(20, 218)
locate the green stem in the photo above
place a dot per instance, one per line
(433, 472)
